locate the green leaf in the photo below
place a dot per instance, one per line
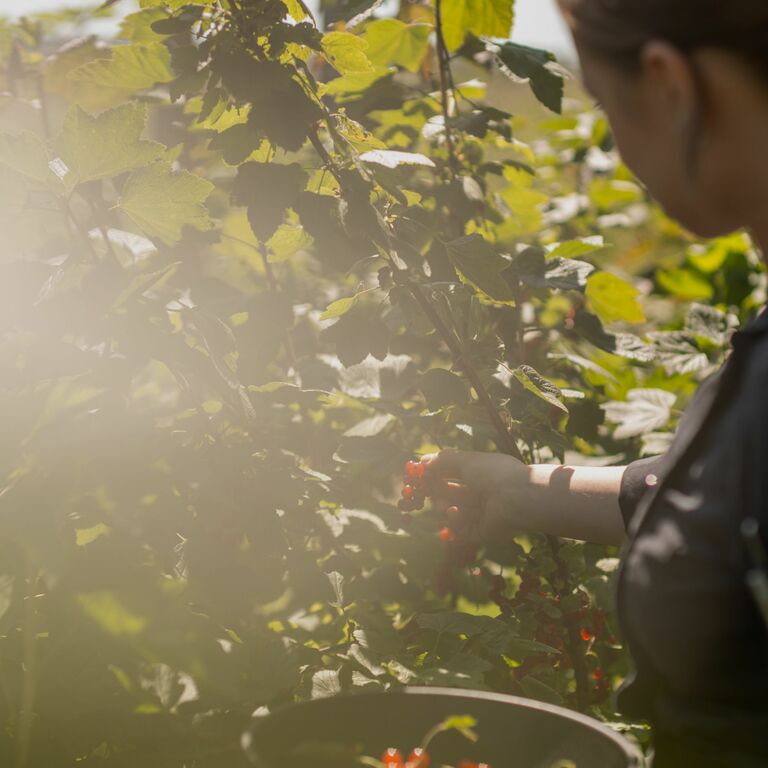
(614, 299)
(341, 306)
(572, 249)
(491, 18)
(325, 683)
(535, 383)
(137, 27)
(536, 66)
(351, 87)
(84, 536)
(267, 189)
(443, 389)
(346, 52)
(133, 67)
(645, 410)
(391, 41)
(110, 614)
(686, 284)
(678, 352)
(392, 159)
(92, 148)
(26, 154)
(479, 266)
(288, 240)
(162, 202)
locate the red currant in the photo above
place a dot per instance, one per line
(407, 491)
(447, 535)
(415, 469)
(392, 758)
(586, 635)
(418, 759)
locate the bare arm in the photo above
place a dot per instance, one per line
(576, 502)
(488, 495)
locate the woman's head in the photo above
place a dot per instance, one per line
(685, 86)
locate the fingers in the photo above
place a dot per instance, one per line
(448, 463)
(451, 492)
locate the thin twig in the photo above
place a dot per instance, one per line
(444, 68)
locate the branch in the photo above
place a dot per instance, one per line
(446, 79)
(505, 441)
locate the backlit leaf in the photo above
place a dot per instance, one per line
(162, 202)
(491, 18)
(92, 148)
(614, 299)
(391, 159)
(133, 67)
(347, 52)
(391, 41)
(106, 609)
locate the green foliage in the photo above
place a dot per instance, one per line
(247, 270)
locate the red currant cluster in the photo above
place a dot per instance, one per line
(414, 492)
(419, 758)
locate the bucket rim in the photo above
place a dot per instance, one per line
(630, 750)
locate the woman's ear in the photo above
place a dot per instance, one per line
(671, 83)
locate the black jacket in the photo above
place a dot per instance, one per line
(697, 638)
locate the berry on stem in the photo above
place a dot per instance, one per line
(415, 469)
(392, 758)
(447, 535)
(418, 758)
(408, 491)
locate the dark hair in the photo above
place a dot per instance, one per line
(618, 29)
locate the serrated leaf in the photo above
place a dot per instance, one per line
(645, 410)
(162, 202)
(267, 189)
(325, 683)
(26, 154)
(613, 299)
(678, 352)
(710, 323)
(390, 158)
(391, 41)
(632, 347)
(104, 146)
(535, 383)
(536, 66)
(492, 18)
(346, 52)
(656, 443)
(133, 67)
(480, 266)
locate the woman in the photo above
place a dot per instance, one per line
(685, 86)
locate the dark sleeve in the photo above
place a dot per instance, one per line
(634, 484)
